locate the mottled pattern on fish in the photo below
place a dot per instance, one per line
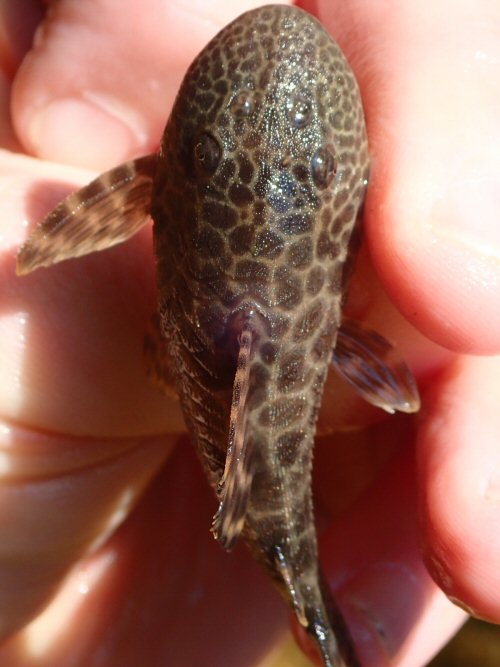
(255, 197)
(264, 171)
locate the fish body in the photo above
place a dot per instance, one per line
(254, 205)
(255, 195)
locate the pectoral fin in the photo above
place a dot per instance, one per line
(109, 210)
(371, 364)
(236, 482)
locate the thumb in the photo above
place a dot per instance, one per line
(98, 84)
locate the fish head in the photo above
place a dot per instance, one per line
(262, 171)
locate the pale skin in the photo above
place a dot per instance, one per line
(408, 506)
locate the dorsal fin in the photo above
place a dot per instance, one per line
(372, 365)
(235, 484)
(107, 211)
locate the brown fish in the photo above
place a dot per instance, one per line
(255, 194)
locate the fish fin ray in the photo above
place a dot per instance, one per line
(317, 613)
(374, 368)
(107, 211)
(288, 576)
(235, 484)
(158, 361)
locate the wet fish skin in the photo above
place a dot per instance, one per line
(256, 195)
(262, 172)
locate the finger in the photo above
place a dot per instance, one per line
(72, 336)
(59, 375)
(59, 496)
(159, 592)
(342, 406)
(18, 22)
(459, 471)
(17, 26)
(429, 91)
(396, 613)
(99, 83)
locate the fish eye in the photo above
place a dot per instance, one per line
(323, 166)
(207, 154)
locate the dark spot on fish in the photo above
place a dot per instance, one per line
(268, 244)
(309, 322)
(296, 223)
(300, 253)
(240, 195)
(325, 247)
(301, 172)
(250, 270)
(288, 446)
(315, 280)
(269, 352)
(219, 215)
(282, 413)
(288, 289)
(259, 210)
(246, 168)
(208, 243)
(220, 87)
(241, 238)
(291, 371)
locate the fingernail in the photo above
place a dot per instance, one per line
(381, 605)
(74, 131)
(467, 214)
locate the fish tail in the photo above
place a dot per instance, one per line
(328, 631)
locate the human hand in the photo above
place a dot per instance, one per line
(158, 588)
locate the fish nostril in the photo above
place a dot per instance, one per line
(242, 104)
(299, 111)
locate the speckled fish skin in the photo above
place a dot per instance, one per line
(262, 172)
